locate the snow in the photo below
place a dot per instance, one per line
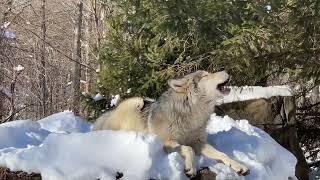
(5, 33)
(64, 122)
(268, 7)
(98, 97)
(244, 93)
(265, 158)
(18, 68)
(9, 34)
(5, 25)
(21, 134)
(115, 100)
(5, 91)
(62, 146)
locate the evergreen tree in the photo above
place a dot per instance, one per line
(150, 41)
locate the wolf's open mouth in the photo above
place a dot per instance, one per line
(222, 87)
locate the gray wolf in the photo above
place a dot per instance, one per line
(179, 117)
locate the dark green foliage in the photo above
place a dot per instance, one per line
(95, 108)
(150, 41)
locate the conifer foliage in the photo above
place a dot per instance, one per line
(150, 41)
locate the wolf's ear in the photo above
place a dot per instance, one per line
(178, 85)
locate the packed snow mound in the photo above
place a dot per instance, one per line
(64, 122)
(265, 158)
(245, 93)
(21, 134)
(71, 151)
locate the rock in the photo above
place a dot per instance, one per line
(205, 174)
(7, 174)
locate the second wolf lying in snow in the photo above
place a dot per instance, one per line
(179, 117)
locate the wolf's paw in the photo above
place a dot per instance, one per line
(240, 169)
(191, 172)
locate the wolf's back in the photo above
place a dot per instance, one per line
(101, 122)
(126, 116)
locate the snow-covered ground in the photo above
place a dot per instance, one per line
(62, 146)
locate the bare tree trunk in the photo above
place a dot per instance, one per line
(1, 93)
(12, 98)
(2, 21)
(87, 73)
(1, 105)
(77, 67)
(87, 53)
(51, 97)
(96, 20)
(43, 62)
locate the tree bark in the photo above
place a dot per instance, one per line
(77, 67)
(87, 24)
(43, 84)
(2, 21)
(1, 93)
(51, 110)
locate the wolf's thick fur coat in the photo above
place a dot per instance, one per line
(127, 116)
(179, 117)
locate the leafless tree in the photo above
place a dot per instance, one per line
(44, 44)
(42, 67)
(77, 67)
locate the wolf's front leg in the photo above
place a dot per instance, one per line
(213, 153)
(186, 152)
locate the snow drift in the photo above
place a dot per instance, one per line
(62, 146)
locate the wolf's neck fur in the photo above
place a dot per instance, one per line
(190, 111)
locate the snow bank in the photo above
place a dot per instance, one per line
(76, 153)
(265, 158)
(244, 93)
(64, 122)
(89, 156)
(21, 134)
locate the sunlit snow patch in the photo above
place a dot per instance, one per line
(70, 151)
(64, 122)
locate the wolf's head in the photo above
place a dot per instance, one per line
(201, 85)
